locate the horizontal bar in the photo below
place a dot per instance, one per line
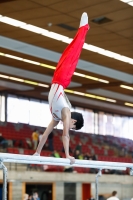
(62, 164)
(18, 158)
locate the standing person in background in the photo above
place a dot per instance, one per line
(93, 156)
(114, 196)
(3, 141)
(26, 197)
(35, 196)
(35, 138)
(30, 197)
(58, 101)
(87, 156)
(77, 154)
(50, 141)
(79, 147)
(55, 154)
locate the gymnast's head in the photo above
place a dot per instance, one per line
(77, 121)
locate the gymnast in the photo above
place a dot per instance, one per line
(58, 101)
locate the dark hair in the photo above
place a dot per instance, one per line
(114, 193)
(79, 119)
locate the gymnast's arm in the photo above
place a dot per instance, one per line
(48, 130)
(66, 118)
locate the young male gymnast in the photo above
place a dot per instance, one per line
(58, 101)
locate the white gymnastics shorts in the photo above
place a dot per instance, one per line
(57, 101)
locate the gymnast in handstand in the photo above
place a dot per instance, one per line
(58, 101)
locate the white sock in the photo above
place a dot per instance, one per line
(84, 19)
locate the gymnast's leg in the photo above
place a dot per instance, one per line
(68, 61)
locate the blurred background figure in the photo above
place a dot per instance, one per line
(79, 148)
(101, 197)
(91, 198)
(35, 196)
(50, 141)
(26, 197)
(87, 156)
(113, 196)
(30, 197)
(3, 141)
(35, 139)
(77, 154)
(55, 154)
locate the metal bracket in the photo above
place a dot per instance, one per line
(4, 190)
(1, 160)
(131, 171)
(99, 174)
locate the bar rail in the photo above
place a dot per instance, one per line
(28, 159)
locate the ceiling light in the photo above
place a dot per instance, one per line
(90, 96)
(32, 28)
(22, 80)
(69, 91)
(131, 3)
(3, 76)
(104, 81)
(102, 51)
(63, 38)
(126, 87)
(67, 40)
(11, 21)
(79, 74)
(50, 67)
(30, 82)
(2, 54)
(45, 33)
(112, 54)
(86, 46)
(13, 57)
(56, 36)
(90, 47)
(101, 98)
(126, 59)
(108, 53)
(125, 1)
(43, 85)
(31, 62)
(91, 77)
(47, 66)
(129, 104)
(16, 79)
(111, 100)
(79, 93)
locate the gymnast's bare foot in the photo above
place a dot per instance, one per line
(84, 19)
(36, 154)
(72, 159)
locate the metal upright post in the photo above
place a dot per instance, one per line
(131, 171)
(96, 183)
(4, 190)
